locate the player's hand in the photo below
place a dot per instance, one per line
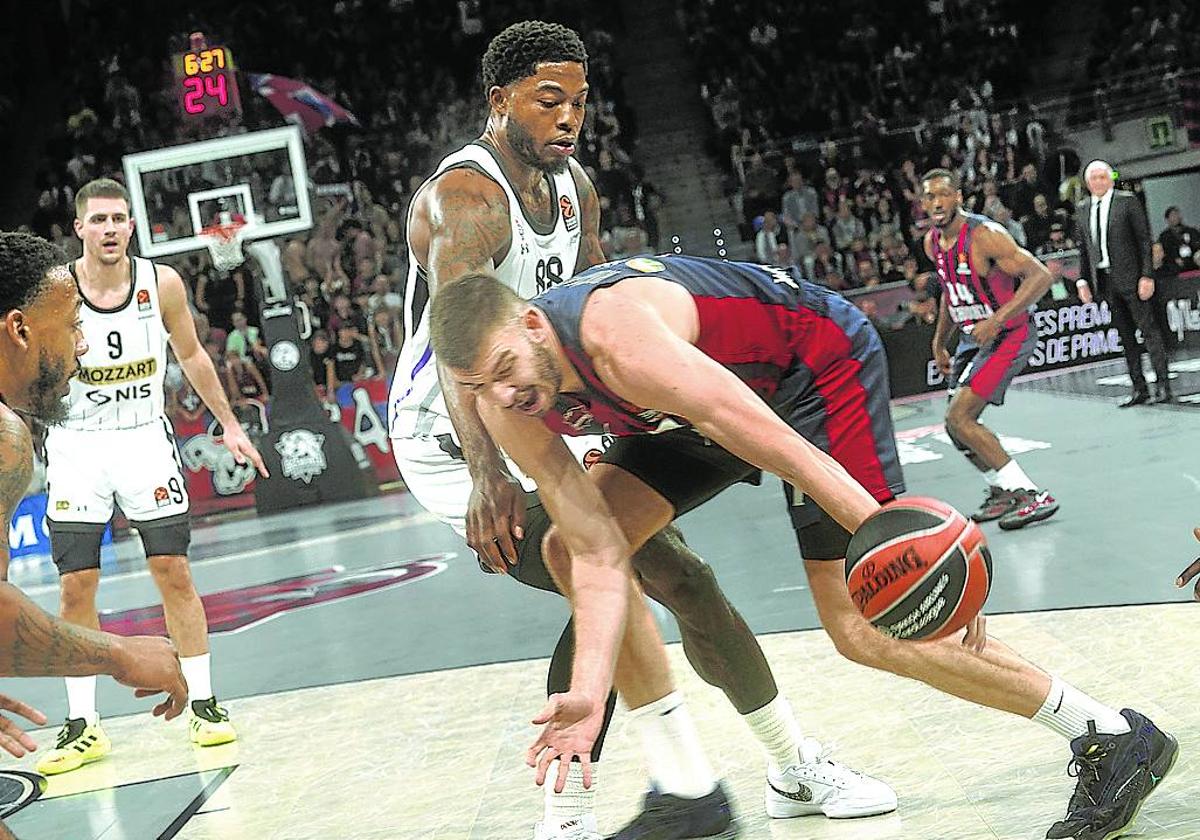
(1191, 572)
(149, 665)
(1145, 288)
(13, 739)
(236, 441)
(941, 357)
(572, 723)
(985, 331)
(495, 515)
(975, 639)
(1085, 292)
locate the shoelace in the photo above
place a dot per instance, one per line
(1086, 768)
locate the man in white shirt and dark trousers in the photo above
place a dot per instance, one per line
(1115, 240)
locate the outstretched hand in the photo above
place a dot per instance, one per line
(572, 723)
(13, 739)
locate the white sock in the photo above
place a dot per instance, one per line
(776, 728)
(81, 698)
(575, 800)
(198, 674)
(1067, 711)
(674, 758)
(1012, 477)
(992, 479)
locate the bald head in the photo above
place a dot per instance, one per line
(1099, 177)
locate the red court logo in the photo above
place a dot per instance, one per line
(233, 610)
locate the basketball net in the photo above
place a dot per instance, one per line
(224, 241)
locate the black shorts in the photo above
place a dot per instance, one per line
(687, 470)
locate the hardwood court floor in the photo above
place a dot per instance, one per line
(382, 685)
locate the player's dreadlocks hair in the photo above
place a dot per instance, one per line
(458, 338)
(27, 264)
(517, 51)
(948, 174)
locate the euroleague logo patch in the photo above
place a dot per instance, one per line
(568, 213)
(143, 300)
(161, 497)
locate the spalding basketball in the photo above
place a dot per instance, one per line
(918, 569)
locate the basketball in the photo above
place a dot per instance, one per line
(918, 569)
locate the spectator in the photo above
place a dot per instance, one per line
(768, 239)
(244, 342)
(1021, 194)
(1037, 224)
(320, 360)
(1058, 241)
(761, 191)
(218, 297)
(804, 239)
(348, 357)
(1179, 242)
(824, 262)
(846, 227)
(800, 199)
(1004, 216)
(345, 313)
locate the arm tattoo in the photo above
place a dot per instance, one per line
(467, 230)
(16, 468)
(590, 252)
(39, 644)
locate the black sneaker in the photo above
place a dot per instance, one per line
(1116, 773)
(667, 817)
(997, 503)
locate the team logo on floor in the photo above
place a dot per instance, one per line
(232, 610)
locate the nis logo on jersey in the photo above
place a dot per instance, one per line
(126, 374)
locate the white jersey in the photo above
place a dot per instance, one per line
(120, 385)
(537, 258)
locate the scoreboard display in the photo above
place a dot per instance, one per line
(206, 83)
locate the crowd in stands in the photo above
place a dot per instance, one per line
(409, 71)
(1141, 36)
(826, 138)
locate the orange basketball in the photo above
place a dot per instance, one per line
(918, 569)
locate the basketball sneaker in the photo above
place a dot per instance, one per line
(1030, 506)
(78, 744)
(825, 787)
(997, 503)
(667, 817)
(209, 723)
(1116, 773)
(582, 827)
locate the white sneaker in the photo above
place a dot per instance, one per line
(583, 827)
(825, 787)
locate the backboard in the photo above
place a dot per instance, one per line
(258, 178)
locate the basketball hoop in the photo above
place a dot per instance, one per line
(224, 243)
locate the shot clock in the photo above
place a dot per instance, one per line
(206, 83)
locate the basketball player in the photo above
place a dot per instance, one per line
(704, 368)
(991, 284)
(40, 341)
(116, 444)
(514, 202)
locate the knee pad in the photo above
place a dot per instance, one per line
(166, 536)
(672, 573)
